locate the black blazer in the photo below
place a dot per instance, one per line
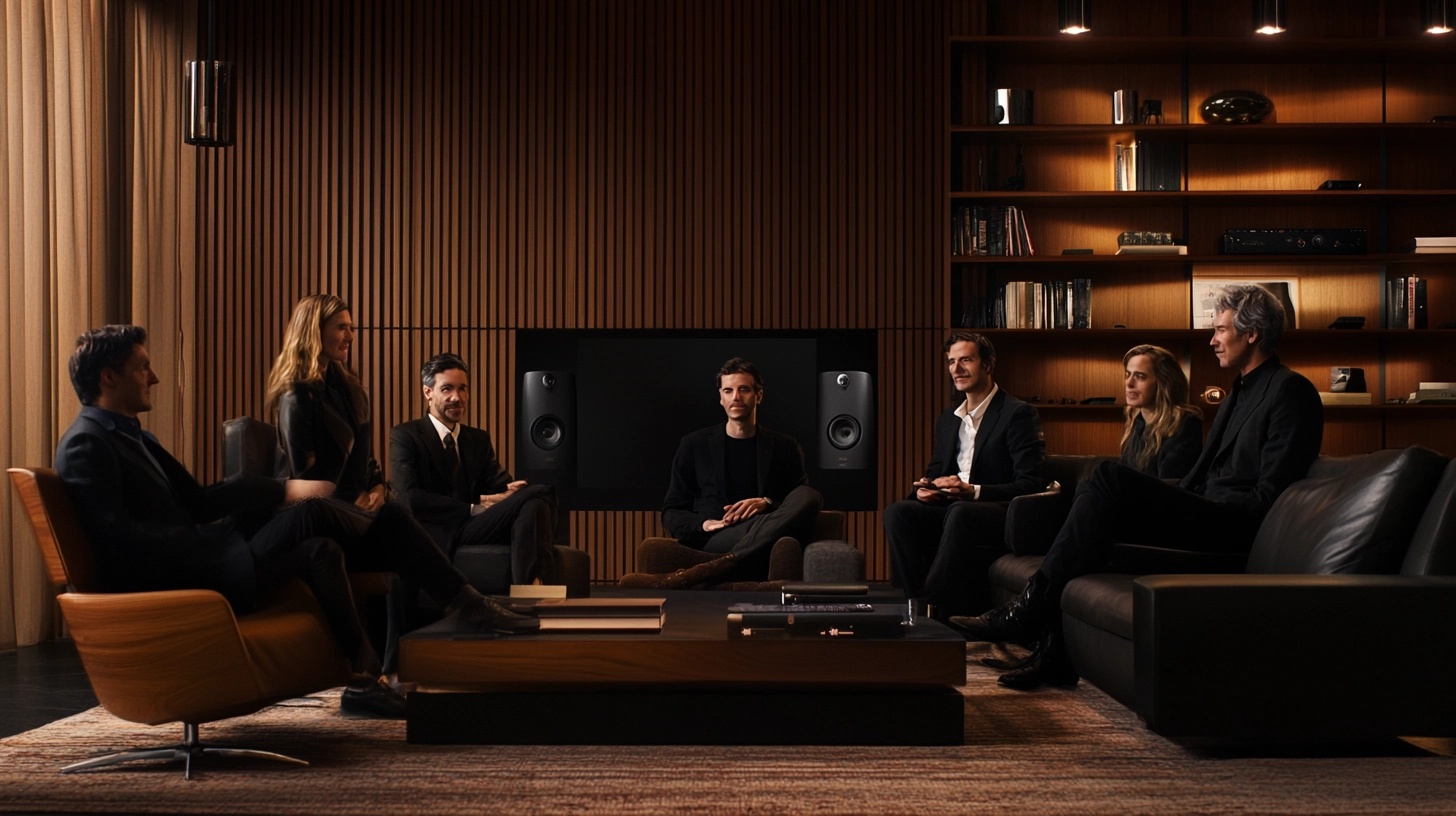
(420, 471)
(1177, 453)
(1268, 446)
(698, 489)
(154, 530)
(1010, 452)
(324, 439)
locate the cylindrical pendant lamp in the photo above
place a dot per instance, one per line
(1075, 16)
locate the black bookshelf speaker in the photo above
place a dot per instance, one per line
(846, 420)
(547, 427)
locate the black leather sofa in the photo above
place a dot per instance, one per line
(1341, 623)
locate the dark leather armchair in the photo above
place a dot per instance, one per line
(180, 655)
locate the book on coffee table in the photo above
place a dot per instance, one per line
(856, 623)
(600, 614)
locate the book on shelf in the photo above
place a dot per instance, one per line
(600, 614)
(1443, 394)
(1405, 303)
(992, 229)
(1124, 166)
(1147, 166)
(1431, 244)
(1159, 166)
(1152, 249)
(1060, 304)
(1345, 398)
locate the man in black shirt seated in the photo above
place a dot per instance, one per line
(736, 489)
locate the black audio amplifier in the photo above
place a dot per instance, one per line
(1294, 242)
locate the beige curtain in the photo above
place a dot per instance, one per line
(91, 233)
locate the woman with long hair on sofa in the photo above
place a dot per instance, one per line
(322, 410)
(1164, 433)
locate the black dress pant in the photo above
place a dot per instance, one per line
(941, 552)
(1118, 504)
(526, 520)
(388, 540)
(319, 563)
(752, 540)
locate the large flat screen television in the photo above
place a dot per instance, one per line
(636, 393)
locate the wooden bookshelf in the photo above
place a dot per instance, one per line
(1355, 87)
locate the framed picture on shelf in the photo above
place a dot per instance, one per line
(1204, 289)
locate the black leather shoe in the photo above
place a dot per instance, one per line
(1048, 665)
(1020, 621)
(1012, 623)
(375, 700)
(481, 614)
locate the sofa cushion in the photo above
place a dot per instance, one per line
(1103, 601)
(1433, 548)
(1352, 515)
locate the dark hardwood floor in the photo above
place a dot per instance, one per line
(43, 683)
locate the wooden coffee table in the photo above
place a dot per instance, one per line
(689, 684)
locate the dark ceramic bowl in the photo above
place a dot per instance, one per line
(1236, 108)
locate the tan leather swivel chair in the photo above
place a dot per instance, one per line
(179, 655)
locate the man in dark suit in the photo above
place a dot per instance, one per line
(736, 489)
(153, 527)
(1264, 438)
(450, 477)
(988, 449)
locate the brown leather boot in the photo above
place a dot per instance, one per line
(681, 579)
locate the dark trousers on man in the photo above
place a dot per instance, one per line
(752, 541)
(388, 540)
(941, 552)
(525, 520)
(1118, 504)
(300, 542)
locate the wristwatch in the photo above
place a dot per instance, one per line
(767, 500)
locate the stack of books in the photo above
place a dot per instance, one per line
(1043, 305)
(1405, 303)
(1148, 166)
(989, 230)
(601, 614)
(817, 620)
(1434, 393)
(1432, 244)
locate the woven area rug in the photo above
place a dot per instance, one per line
(1049, 751)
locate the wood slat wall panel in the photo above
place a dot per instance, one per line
(461, 170)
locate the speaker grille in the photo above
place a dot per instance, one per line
(548, 432)
(844, 432)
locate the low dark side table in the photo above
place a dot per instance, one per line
(687, 685)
